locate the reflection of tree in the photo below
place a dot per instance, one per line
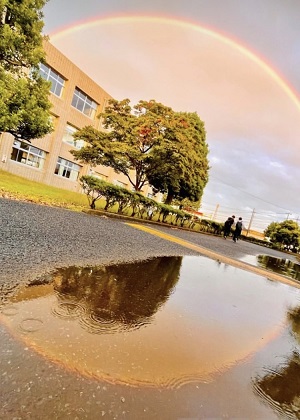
(126, 294)
(281, 388)
(294, 318)
(280, 266)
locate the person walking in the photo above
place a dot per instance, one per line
(238, 229)
(227, 226)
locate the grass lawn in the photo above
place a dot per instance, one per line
(15, 187)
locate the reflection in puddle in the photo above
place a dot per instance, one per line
(281, 387)
(280, 265)
(68, 309)
(31, 325)
(115, 298)
(163, 323)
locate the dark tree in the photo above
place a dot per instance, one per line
(24, 95)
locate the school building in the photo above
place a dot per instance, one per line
(76, 102)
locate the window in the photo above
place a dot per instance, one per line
(67, 169)
(57, 81)
(98, 175)
(68, 137)
(119, 183)
(29, 155)
(84, 103)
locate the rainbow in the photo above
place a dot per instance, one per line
(245, 51)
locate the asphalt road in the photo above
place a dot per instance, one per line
(36, 239)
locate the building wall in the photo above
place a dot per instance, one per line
(63, 113)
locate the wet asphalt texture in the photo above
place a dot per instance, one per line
(37, 239)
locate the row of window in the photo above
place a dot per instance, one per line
(29, 155)
(80, 100)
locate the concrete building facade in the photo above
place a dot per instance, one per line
(76, 102)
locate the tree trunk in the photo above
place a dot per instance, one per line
(169, 198)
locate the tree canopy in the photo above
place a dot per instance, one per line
(150, 144)
(286, 233)
(179, 165)
(24, 95)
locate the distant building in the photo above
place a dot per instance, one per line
(77, 101)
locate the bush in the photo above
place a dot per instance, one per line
(142, 207)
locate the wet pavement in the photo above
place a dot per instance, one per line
(99, 319)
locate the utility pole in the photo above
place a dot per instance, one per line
(215, 213)
(251, 219)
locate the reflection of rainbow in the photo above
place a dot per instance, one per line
(193, 26)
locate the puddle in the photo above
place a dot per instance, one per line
(168, 324)
(282, 266)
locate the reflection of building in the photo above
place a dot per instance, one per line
(77, 101)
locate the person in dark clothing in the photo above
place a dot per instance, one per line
(238, 229)
(227, 226)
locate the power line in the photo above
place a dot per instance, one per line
(261, 220)
(245, 192)
(264, 213)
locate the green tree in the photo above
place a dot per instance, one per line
(24, 95)
(148, 143)
(286, 233)
(271, 229)
(128, 142)
(179, 164)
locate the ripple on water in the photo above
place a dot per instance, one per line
(30, 325)
(177, 382)
(283, 410)
(102, 322)
(106, 322)
(10, 310)
(68, 309)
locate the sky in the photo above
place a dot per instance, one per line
(236, 63)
